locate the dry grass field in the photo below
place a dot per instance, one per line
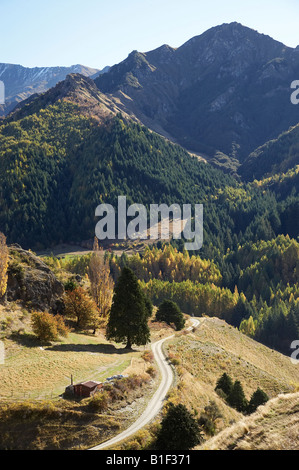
(214, 348)
(32, 413)
(36, 371)
(200, 357)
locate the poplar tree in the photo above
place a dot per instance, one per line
(101, 282)
(3, 264)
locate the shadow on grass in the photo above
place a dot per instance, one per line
(91, 348)
(31, 341)
(28, 340)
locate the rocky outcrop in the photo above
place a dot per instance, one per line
(31, 281)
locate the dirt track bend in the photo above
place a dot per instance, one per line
(156, 403)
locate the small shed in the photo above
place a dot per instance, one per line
(87, 389)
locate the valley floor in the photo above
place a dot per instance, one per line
(199, 357)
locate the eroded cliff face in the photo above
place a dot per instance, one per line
(31, 281)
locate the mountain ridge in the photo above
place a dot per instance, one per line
(276, 156)
(22, 82)
(76, 88)
(191, 92)
(217, 95)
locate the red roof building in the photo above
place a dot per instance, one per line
(87, 389)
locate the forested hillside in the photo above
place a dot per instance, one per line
(276, 156)
(58, 164)
(133, 341)
(254, 288)
(60, 157)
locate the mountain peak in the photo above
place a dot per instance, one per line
(233, 24)
(76, 81)
(162, 54)
(70, 88)
(183, 93)
(235, 34)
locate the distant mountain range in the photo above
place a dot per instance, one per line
(64, 152)
(223, 96)
(22, 82)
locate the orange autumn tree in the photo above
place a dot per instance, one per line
(82, 308)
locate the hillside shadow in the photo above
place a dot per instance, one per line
(28, 340)
(90, 348)
(31, 341)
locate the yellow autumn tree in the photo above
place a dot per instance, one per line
(248, 327)
(101, 282)
(3, 264)
(48, 327)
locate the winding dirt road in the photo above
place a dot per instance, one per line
(156, 403)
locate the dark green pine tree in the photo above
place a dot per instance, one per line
(179, 430)
(169, 312)
(236, 399)
(225, 384)
(258, 398)
(130, 311)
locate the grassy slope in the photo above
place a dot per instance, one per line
(34, 376)
(203, 356)
(68, 425)
(33, 416)
(273, 427)
(39, 371)
(32, 370)
(215, 348)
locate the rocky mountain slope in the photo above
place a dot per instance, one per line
(276, 156)
(77, 89)
(225, 92)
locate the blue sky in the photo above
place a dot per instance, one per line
(99, 33)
